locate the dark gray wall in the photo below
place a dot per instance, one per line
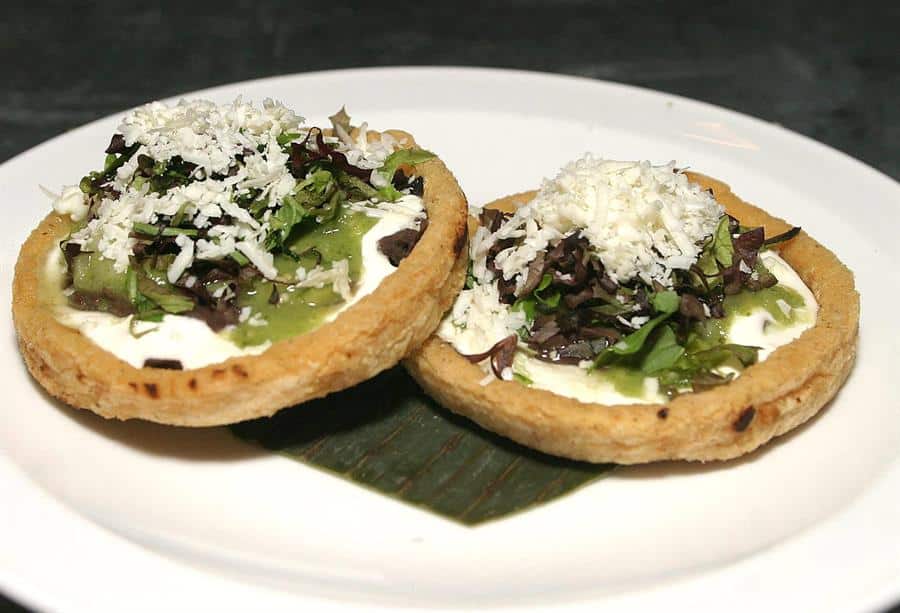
(830, 70)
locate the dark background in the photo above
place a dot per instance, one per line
(827, 69)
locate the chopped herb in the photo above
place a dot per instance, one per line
(171, 231)
(239, 257)
(632, 343)
(666, 301)
(664, 353)
(522, 378)
(145, 228)
(401, 157)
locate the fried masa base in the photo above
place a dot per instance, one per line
(767, 400)
(367, 338)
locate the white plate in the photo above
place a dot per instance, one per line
(98, 514)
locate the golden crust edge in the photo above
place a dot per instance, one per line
(406, 307)
(768, 400)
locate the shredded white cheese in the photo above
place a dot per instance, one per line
(204, 133)
(338, 277)
(182, 260)
(259, 257)
(408, 207)
(641, 220)
(478, 320)
(210, 136)
(70, 202)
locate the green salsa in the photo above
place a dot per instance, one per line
(293, 310)
(746, 302)
(626, 381)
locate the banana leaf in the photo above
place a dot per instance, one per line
(387, 435)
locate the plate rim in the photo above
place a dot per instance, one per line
(487, 70)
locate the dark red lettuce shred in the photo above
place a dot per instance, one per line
(691, 307)
(397, 246)
(116, 144)
(534, 276)
(107, 302)
(748, 244)
(302, 156)
(501, 355)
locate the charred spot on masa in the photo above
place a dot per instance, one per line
(239, 371)
(133, 385)
(163, 363)
(663, 413)
(79, 376)
(461, 235)
(218, 373)
(192, 383)
(152, 390)
(744, 419)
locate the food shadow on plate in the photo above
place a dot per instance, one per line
(387, 435)
(213, 444)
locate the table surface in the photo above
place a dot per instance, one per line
(827, 69)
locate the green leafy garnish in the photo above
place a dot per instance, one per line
(470, 276)
(145, 228)
(401, 157)
(664, 353)
(239, 257)
(93, 182)
(550, 301)
(698, 369)
(167, 297)
(356, 188)
(132, 327)
(665, 302)
(172, 231)
(310, 197)
(528, 306)
(286, 138)
(722, 247)
(522, 378)
(632, 343)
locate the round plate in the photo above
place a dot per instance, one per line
(98, 514)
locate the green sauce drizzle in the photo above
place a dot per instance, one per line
(626, 381)
(746, 302)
